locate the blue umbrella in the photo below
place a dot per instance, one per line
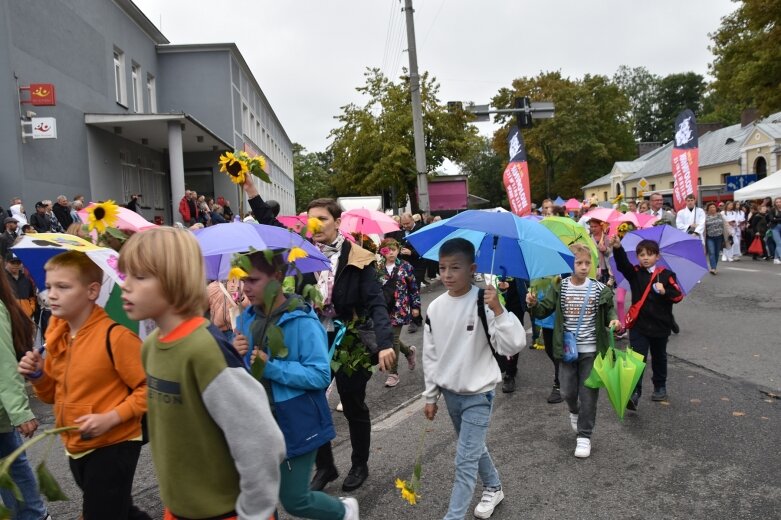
(559, 201)
(504, 244)
(219, 243)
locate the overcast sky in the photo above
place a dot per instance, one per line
(309, 55)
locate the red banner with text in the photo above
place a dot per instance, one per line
(685, 159)
(516, 182)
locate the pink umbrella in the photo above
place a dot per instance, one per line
(127, 219)
(645, 221)
(294, 222)
(572, 205)
(603, 214)
(368, 222)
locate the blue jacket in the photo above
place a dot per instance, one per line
(298, 381)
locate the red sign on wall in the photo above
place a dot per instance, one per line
(42, 94)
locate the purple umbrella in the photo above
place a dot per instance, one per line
(680, 252)
(219, 243)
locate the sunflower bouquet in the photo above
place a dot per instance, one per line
(624, 228)
(237, 165)
(102, 219)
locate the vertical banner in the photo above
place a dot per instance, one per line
(516, 175)
(686, 162)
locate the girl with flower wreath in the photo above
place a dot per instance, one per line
(403, 299)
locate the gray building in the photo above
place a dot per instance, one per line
(133, 113)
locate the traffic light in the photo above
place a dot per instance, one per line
(524, 117)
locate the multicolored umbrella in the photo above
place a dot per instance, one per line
(680, 252)
(219, 243)
(570, 232)
(504, 244)
(367, 222)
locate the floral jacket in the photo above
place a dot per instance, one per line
(407, 292)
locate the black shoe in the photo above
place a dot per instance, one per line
(674, 327)
(660, 394)
(632, 404)
(356, 477)
(323, 477)
(555, 395)
(508, 384)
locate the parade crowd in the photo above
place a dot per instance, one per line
(236, 429)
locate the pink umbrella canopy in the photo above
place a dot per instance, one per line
(572, 205)
(294, 222)
(368, 222)
(127, 219)
(603, 214)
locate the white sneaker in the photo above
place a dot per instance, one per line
(350, 508)
(777, 261)
(488, 503)
(339, 407)
(573, 421)
(724, 258)
(583, 448)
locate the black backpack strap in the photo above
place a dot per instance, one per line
(483, 317)
(108, 342)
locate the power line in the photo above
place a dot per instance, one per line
(388, 33)
(430, 27)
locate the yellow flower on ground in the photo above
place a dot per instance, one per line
(235, 166)
(237, 273)
(406, 493)
(296, 253)
(313, 225)
(102, 216)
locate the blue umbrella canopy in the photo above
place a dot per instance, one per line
(505, 244)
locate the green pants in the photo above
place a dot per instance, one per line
(398, 345)
(298, 499)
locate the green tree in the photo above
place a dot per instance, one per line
(485, 169)
(678, 92)
(373, 148)
(642, 90)
(591, 130)
(312, 176)
(747, 60)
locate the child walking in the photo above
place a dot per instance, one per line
(658, 289)
(215, 445)
(92, 374)
(403, 299)
(584, 312)
(458, 364)
(296, 384)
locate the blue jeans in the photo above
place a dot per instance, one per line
(714, 249)
(471, 416)
(776, 231)
(33, 507)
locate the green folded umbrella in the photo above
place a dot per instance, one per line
(618, 372)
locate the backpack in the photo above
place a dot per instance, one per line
(389, 290)
(144, 427)
(483, 319)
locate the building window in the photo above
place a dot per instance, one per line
(604, 193)
(672, 184)
(652, 187)
(724, 178)
(151, 93)
(634, 193)
(135, 84)
(119, 77)
(245, 120)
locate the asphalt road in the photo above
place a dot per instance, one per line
(711, 452)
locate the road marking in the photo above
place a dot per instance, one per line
(741, 269)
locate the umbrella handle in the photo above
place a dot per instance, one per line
(493, 254)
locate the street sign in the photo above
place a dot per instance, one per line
(44, 128)
(642, 184)
(736, 182)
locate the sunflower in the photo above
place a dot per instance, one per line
(102, 215)
(237, 273)
(235, 165)
(313, 225)
(407, 493)
(296, 253)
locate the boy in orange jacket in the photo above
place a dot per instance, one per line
(92, 373)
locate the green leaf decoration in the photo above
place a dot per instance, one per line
(335, 366)
(269, 254)
(257, 368)
(48, 484)
(273, 287)
(8, 483)
(116, 233)
(5, 513)
(276, 341)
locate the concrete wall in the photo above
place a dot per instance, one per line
(69, 43)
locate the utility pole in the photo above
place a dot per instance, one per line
(417, 110)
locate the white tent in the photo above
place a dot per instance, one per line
(770, 186)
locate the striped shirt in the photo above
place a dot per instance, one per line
(572, 297)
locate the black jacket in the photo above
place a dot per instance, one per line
(262, 212)
(63, 214)
(656, 315)
(41, 222)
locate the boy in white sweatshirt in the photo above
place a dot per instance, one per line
(458, 363)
